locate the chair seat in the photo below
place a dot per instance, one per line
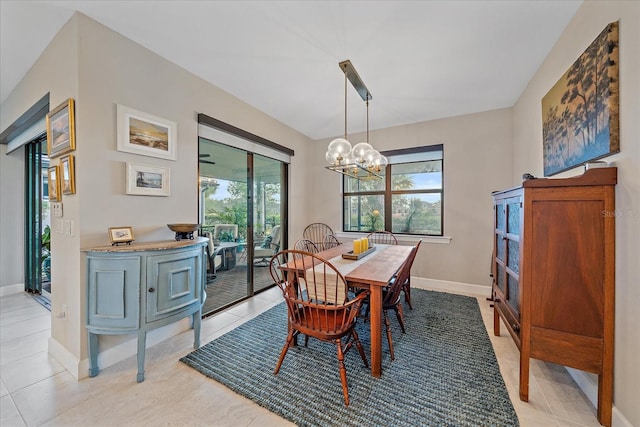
(259, 252)
(332, 324)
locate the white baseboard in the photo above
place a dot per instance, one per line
(618, 419)
(586, 384)
(11, 289)
(66, 358)
(590, 388)
(451, 287)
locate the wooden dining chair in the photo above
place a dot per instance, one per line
(316, 232)
(382, 237)
(318, 305)
(391, 296)
(306, 245)
(388, 238)
(330, 241)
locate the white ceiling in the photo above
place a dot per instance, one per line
(421, 60)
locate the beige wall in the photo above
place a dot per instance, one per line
(477, 161)
(103, 69)
(589, 21)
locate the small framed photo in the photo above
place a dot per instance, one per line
(61, 134)
(146, 134)
(53, 179)
(120, 235)
(147, 180)
(68, 174)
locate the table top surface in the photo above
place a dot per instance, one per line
(375, 269)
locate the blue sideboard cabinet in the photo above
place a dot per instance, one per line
(136, 288)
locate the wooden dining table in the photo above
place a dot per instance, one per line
(372, 272)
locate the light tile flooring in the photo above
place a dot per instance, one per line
(36, 391)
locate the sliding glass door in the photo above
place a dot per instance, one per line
(268, 211)
(37, 266)
(241, 211)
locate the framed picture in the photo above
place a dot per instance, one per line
(68, 174)
(147, 180)
(61, 134)
(580, 113)
(120, 235)
(146, 134)
(53, 179)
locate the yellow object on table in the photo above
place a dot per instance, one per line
(356, 246)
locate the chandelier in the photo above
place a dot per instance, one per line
(361, 161)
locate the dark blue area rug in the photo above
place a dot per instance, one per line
(445, 372)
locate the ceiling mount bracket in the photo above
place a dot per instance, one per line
(351, 73)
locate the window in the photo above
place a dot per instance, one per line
(408, 200)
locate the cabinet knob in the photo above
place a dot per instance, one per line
(152, 289)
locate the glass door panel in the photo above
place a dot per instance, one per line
(37, 221)
(267, 217)
(223, 215)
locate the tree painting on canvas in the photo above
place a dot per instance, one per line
(580, 113)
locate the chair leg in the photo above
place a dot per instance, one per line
(343, 372)
(360, 348)
(389, 339)
(407, 293)
(367, 311)
(283, 353)
(400, 316)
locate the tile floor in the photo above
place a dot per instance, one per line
(36, 391)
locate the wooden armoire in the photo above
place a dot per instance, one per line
(554, 274)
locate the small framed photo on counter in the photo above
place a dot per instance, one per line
(120, 235)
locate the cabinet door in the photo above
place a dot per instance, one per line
(512, 248)
(508, 218)
(500, 212)
(173, 283)
(114, 293)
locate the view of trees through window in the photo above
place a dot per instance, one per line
(225, 202)
(413, 196)
(224, 192)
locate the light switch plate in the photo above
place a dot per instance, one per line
(56, 209)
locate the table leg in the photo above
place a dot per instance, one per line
(375, 320)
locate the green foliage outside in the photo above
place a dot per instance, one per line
(45, 241)
(233, 209)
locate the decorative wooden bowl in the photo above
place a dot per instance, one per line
(183, 231)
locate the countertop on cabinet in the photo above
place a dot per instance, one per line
(149, 246)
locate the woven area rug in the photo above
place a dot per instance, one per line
(445, 372)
